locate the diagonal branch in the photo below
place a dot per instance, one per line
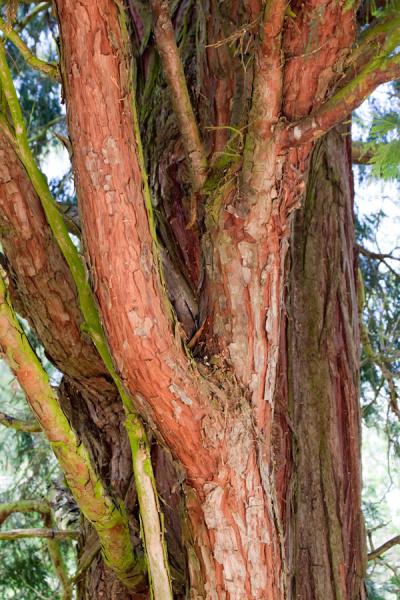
(337, 108)
(106, 513)
(149, 357)
(50, 70)
(173, 68)
(20, 25)
(19, 425)
(384, 548)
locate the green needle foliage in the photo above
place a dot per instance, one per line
(380, 360)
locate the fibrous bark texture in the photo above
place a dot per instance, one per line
(317, 421)
(229, 153)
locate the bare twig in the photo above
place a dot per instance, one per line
(384, 548)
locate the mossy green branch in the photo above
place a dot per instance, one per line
(106, 513)
(19, 425)
(381, 69)
(372, 36)
(50, 70)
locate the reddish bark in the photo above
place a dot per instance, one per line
(217, 417)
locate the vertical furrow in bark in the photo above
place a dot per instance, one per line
(323, 357)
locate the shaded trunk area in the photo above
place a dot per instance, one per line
(317, 421)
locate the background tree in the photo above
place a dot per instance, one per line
(228, 108)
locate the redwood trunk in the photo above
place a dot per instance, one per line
(262, 521)
(318, 421)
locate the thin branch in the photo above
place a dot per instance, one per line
(173, 68)
(32, 60)
(374, 357)
(362, 153)
(42, 130)
(106, 513)
(23, 506)
(384, 548)
(19, 425)
(381, 257)
(39, 532)
(19, 26)
(375, 255)
(336, 109)
(42, 507)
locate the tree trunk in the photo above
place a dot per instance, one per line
(317, 421)
(260, 408)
